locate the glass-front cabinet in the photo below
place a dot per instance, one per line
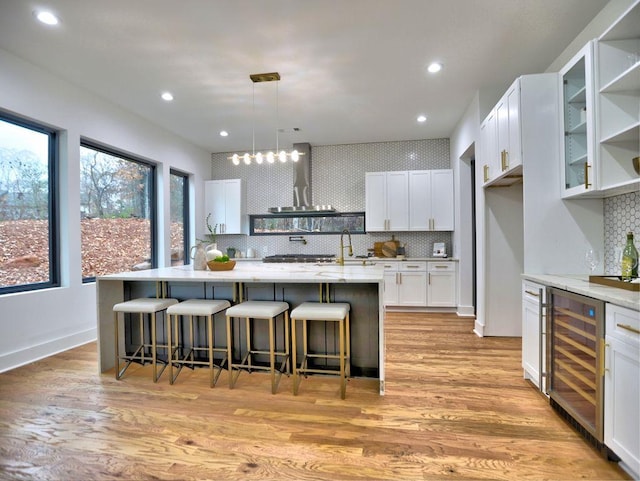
(580, 173)
(618, 103)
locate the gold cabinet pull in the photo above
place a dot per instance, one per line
(534, 294)
(485, 169)
(628, 328)
(586, 175)
(603, 347)
(503, 160)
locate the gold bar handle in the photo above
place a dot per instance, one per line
(534, 294)
(503, 160)
(485, 171)
(586, 175)
(603, 347)
(628, 328)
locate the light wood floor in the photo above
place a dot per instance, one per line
(456, 407)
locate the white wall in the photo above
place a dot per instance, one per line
(463, 149)
(39, 323)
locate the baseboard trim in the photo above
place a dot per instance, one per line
(466, 311)
(31, 354)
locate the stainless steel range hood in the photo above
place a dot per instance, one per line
(302, 186)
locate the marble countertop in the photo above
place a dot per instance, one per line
(581, 285)
(259, 272)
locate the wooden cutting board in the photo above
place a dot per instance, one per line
(389, 249)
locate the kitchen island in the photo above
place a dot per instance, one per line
(360, 286)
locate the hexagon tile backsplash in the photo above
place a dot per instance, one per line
(620, 217)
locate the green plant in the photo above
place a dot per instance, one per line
(212, 230)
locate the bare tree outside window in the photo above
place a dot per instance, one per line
(116, 213)
(179, 212)
(27, 206)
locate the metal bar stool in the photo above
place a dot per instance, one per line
(324, 312)
(206, 308)
(142, 306)
(265, 310)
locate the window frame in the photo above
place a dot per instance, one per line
(53, 204)
(153, 214)
(186, 227)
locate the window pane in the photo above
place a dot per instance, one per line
(116, 213)
(179, 212)
(27, 249)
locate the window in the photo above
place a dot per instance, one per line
(28, 206)
(306, 223)
(117, 212)
(179, 213)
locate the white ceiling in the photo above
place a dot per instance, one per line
(352, 70)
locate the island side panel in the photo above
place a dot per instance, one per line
(109, 293)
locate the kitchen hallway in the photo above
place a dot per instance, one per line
(456, 407)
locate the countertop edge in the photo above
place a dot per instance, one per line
(579, 284)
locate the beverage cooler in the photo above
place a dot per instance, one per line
(575, 358)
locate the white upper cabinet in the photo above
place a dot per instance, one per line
(618, 103)
(431, 200)
(224, 199)
(415, 200)
(500, 135)
(387, 201)
(580, 169)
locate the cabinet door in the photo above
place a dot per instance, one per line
(442, 200)
(531, 332)
(488, 147)
(215, 203)
(513, 157)
(397, 199)
(412, 290)
(390, 297)
(420, 200)
(441, 289)
(578, 161)
(621, 401)
(233, 207)
(375, 201)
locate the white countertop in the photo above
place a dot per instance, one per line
(259, 272)
(581, 285)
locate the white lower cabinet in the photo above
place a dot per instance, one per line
(533, 328)
(441, 285)
(622, 386)
(405, 283)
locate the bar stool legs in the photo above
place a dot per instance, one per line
(194, 308)
(324, 312)
(252, 311)
(142, 306)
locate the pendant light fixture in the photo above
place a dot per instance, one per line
(259, 157)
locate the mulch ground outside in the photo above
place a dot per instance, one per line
(108, 246)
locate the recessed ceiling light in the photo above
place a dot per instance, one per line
(422, 118)
(224, 133)
(434, 67)
(46, 17)
(167, 96)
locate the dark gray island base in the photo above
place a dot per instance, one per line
(359, 286)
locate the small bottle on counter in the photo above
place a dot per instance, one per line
(629, 262)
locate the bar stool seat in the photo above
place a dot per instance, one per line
(252, 310)
(206, 308)
(141, 306)
(324, 312)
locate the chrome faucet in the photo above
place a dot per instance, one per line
(342, 246)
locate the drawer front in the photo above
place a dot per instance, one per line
(531, 291)
(623, 324)
(388, 266)
(413, 266)
(441, 267)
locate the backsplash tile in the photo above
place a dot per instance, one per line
(337, 178)
(620, 217)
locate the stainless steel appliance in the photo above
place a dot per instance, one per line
(575, 361)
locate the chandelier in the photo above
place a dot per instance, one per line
(270, 156)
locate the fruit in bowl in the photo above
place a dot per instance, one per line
(221, 263)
